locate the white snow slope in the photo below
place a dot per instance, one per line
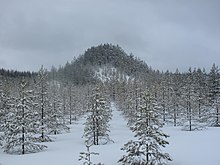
(186, 148)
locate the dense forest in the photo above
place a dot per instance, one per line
(35, 105)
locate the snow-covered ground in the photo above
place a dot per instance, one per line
(194, 148)
(186, 148)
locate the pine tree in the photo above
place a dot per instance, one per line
(5, 101)
(202, 90)
(86, 156)
(167, 97)
(97, 123)
(63, 93)
(190, 99)
(2, 106)
(44, 105)
(175, 97)
(131, 103)
(162, 98)
(145, 150)
(5, 104)
(2, 114)
(20, 127)
(70, 104)
(55, 114)
(214, 95)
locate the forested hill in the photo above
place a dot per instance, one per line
(82, 69)
(114, 55)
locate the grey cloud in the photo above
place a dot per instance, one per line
(166, 34)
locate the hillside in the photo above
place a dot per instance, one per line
(82, 69)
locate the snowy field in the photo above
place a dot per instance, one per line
(186, 148)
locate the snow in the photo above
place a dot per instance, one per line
(186, 148)
(99, 74)
(194, 147)
(110, 74)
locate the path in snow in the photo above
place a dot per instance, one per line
(120, 134)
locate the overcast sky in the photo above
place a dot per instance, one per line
(167, 34)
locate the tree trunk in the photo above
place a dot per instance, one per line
(70, 107)
(42, 114)
(174, 116)
(217, 117)
(23, 118)
(23, 150)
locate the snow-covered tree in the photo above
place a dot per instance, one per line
(146, 148)
(44, 105)
(20, 126)
(97, 123)
(214, 95)
(5, 100)
(166, 97)
(2, 108)
(55, 114)
(71, 101)
(130, 101)
(175, 98)
(202, 91)
(190, 103)
(63, 94)
(76, 101)
(86, 156)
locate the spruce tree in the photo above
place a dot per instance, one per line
(55, 114)
(189, 98)
(44, 104)
(202, 91)
(194, 118)
(86, 156)
(2, 114)
(145, 149)
(97, 123)
(175, 96)
(5, 100)
(20, 126)
(214, 95)
(2, 105)
(70, 100)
